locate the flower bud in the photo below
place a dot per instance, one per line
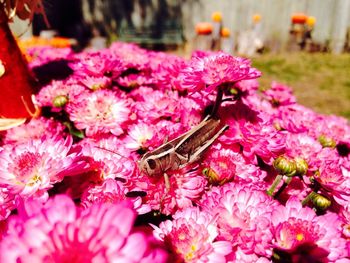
(320, 202)
(2, 69)
(327, 142)
(60, 101)
(301, 166)
(285, 166)
(213, 177)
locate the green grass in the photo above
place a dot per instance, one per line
(319, 81)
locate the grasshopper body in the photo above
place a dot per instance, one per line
(182, 150)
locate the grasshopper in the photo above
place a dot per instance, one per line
(183, 150)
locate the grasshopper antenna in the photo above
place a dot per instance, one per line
(116, 153)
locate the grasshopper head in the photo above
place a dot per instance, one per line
(149, 166)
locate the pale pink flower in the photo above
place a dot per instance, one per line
(60, 232)
(99, 112)
(138, 136)
(243, 216)
(33, 167)
(300, 233)
(210, 71)
(192, 237)
(35, 129)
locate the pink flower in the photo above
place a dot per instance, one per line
(138, 136)
(112, 191)
(186, 186)
(35, 129)
(210, 71)
(99, 112)
(56, 89)
(97, 64)
(300, 233)
(243, 216)
(7, 204)
(191, 237)
(32, 168)
(280, 95)
(60, 232)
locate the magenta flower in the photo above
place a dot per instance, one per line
(191, 237)
(210, 71)
(99, 112)
(300, 233)
(60, 232)
(280, 95)
(97, 64)
(32, 168)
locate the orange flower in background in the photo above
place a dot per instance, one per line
(225, 32)
(299, 18)
(204, 28)
(216, 16)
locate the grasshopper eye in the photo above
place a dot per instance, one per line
(152, 164)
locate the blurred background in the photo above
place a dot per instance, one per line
(302, 43)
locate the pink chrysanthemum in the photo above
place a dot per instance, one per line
(60, 232)
(112, 191)
(99, 112)
(32, 168)
(243, 216)
(49, 94)
(35, 129)
(191, 237)
(41, 55)
(302, 235)
(97, 64)
(280, 95)
(7, 204)
(210, 71)
(138, 136)
(135, 80)
(186, 187)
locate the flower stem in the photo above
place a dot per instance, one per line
(275, 183)
(284, 186)
(308, 198)
(218, 101)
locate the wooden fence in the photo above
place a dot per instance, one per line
(332, 25)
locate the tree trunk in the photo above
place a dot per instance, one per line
(16, 83)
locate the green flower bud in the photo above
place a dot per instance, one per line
(60, 101)
(301, 166)
(212, 176)
(320, 202)
(327, 142)
(285, 166)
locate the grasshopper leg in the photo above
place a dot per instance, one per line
(167, 189)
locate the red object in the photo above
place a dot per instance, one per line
(204, 28)
(299, 18)
(16, 84)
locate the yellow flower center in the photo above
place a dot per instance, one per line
(300, 236)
